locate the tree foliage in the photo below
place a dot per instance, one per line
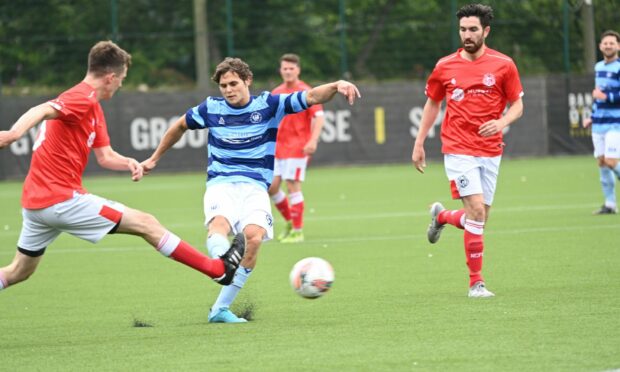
(45, 42)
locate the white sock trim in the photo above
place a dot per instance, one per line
(474, 227)
(296, 197)
(277, 198)
(168, 243)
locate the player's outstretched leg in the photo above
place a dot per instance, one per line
(434, 228)
(479, 290)
(232, 259)
(168, 244)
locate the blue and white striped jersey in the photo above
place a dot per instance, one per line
(606, 114)
(242, 140)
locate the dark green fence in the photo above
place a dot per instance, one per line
(44, 43)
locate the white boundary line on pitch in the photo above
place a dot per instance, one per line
(144, 246)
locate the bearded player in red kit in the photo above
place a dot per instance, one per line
(477, 83)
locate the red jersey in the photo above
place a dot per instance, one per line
(60, 153)
(476, 92)
(295, 129)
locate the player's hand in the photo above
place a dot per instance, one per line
(419, 158)
(136, 170)
(349, 91)
(599, 94)
(491, 128)
(310, 147)
(587, 122)
(148, 165)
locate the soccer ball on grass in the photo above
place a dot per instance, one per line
(312, 277)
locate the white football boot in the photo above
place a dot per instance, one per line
(479, 290)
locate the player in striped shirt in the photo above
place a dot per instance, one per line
(241, 145)
(477, 83)
(605, 119)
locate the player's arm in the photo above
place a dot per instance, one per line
(326, 92)
(429, 115)
(29, 119)
(610, 95)
(493, 127)
(172, 136)
(110, 159)
(317, 127)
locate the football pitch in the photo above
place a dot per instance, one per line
(398, 302)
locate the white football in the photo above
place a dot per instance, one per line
(312, 277)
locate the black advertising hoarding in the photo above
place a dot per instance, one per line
(380, 128)
(569, 101)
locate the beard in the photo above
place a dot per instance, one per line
(474, 47)
(610, 54)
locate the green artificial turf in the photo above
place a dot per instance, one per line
(398, 302)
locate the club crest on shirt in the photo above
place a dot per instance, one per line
(488, 80)
(256, 117)
(463, 181)
(458, 94)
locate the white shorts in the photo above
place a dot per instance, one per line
(292, 169)
(85, 216)
(241, 203)
(470, 175)
(607, 144)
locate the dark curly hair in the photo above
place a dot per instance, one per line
(235, 65)
(483, 12)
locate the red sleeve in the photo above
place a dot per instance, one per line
(102, 138)
(512, 84)
(314, 109)
(435, 90)
(72, 106)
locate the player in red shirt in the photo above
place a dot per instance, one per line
(297, 139)
(54, 199)
(477, 83)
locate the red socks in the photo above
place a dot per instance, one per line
(474, 247)
(297, 209)
(291, 212)
(171, 245)
(297, 215)
(281, 203)
(454, 218)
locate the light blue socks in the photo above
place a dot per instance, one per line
(608, 184)
(217, 245)
(228, 293)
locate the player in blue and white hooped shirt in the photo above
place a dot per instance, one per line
(605, 119)
(241, 144)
